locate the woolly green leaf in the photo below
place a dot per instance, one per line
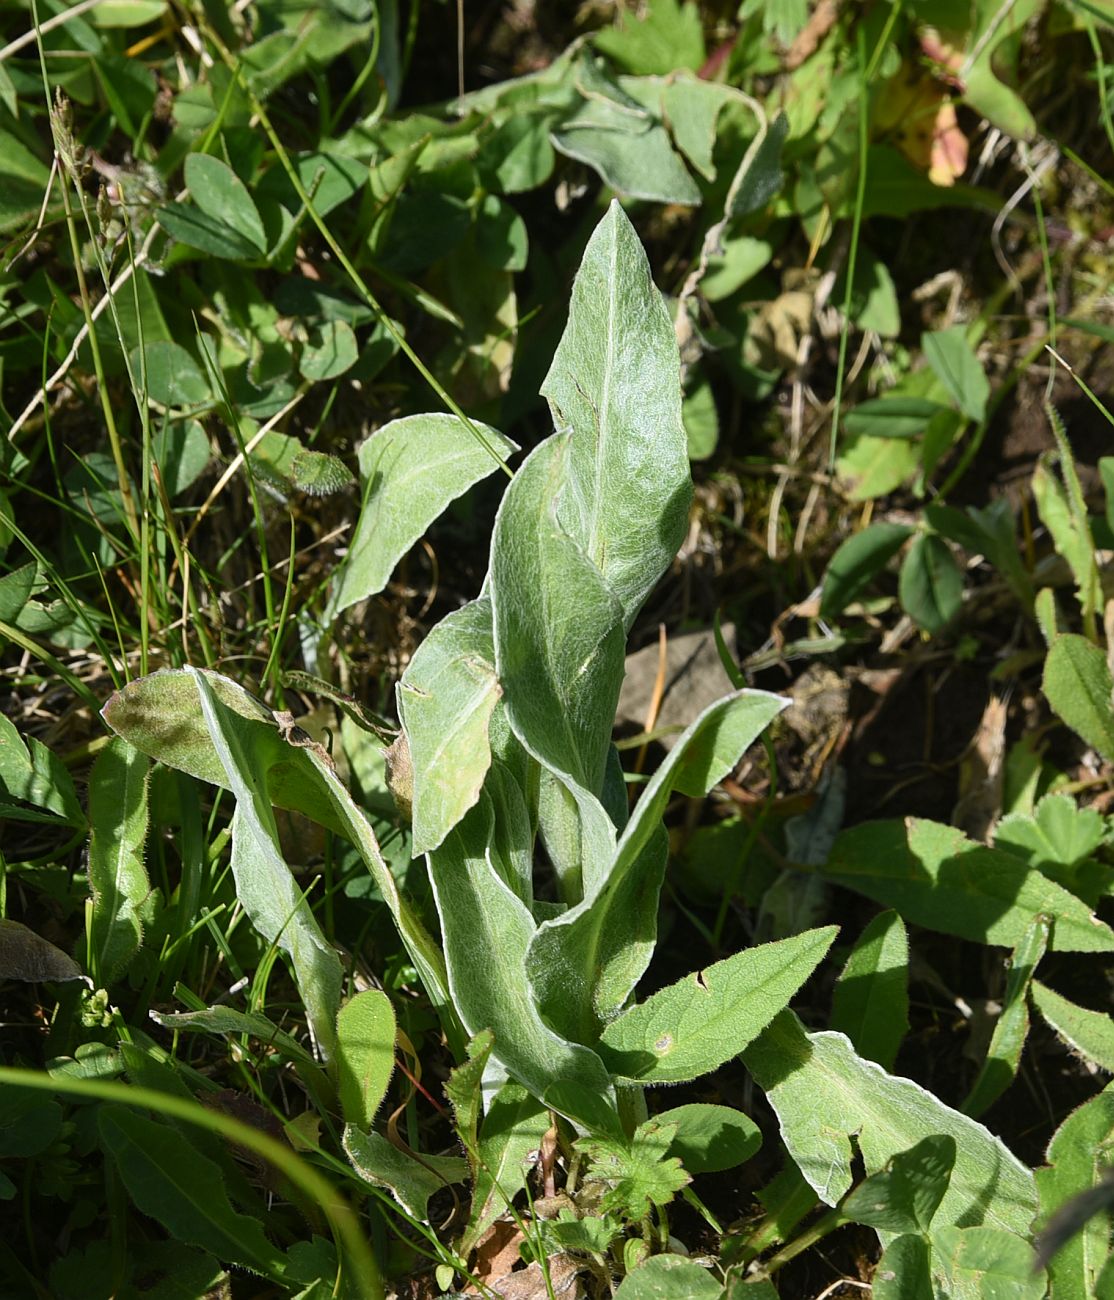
(318, 474)
(365, 1048)
(980, 1262)
(445, 700)
(695, 1025)
(117, 876)
(411, 469)
(887, 1115)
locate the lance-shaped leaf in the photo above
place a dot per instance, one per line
(558, 629)
(512, 1130)
(695, 1025)
(584, 963)
(410, 1181)
(486, 929)
(445, 701)
(615, 381)
(229, 1020)
(1077, 684)
(182, 1189)
(32, 773)
(117, 876)
(365, 1055)
(410, 470)
(1090, 1033)
(936, 877)
(1078, 1246)
(267, 890)
(1003, 1056)
(824, 1093)
(161, 714)
(870, 1003)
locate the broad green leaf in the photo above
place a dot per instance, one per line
(267, 890)
(162, 715)
(486, 930)
(173, 377)
(615, 382)
(857, 562)
(32, 773)
(330, 350)
(905, 1195)
(228, 1020)
(181, 450)
(127, 13)
(635, 158)
(984, 1263)
(694, 1026)
(583, 964)
(891, 417)
(410, 469)
(365, 1055)
(931, 583)
(670, 1277)
(870, 1003)
(410, 1180)
(1090, 1033)
(190, 226)
(1077, 684)
(222, 195)
(30, 1122)
(823, 1093)
(666, 37)
(117, 877)
(513, 1129)
(710, 1138)
(873, 467)
(953, 360)
(445, 700)
(182, 1189)
(691, 106)
(25, 955)
(1003, 1056)
(1077, 1160)
(905, 1271)
(558, 628)
(701, 421)
(934, 876)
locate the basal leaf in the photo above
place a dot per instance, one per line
(931, 583)
(1003, 1056)
(410, 470)
(182, 1189)
(934, 876)
(583, 964)
(445, 701)
(513, 1130)
(486, 930)
(1078, 686)
(267, 890)
(365, 1055)
(410, 1181)
(615, 382)
(117, 876)
(1090, 1033)
(857, 562)
(32, 773)
(222, 196)
(957, 367)
(695, 1025)
(870, 1003)
(887, 1115)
